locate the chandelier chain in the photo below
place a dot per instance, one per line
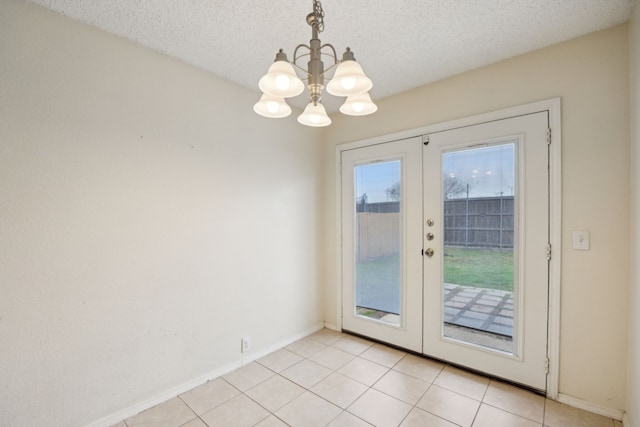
(318, 12)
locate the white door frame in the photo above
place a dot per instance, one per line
(555, 210)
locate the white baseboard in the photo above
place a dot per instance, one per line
(616, 414)
(182, 388)
(331, 326)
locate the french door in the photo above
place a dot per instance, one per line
(445, 245)
(382, 252)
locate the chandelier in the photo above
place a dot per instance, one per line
(281, 80)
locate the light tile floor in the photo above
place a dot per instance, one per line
(337, 380)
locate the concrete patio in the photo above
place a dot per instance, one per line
(487, 310)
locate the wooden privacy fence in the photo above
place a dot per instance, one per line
(378, 235)
(482, 222)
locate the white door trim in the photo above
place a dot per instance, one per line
(553, 106)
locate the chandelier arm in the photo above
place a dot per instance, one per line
(295, 52)
(335, 55)
(336, 62)
(306, 72)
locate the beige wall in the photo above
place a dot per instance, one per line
(148, 220)
(138, 194)
(633, 386)
(590, 74)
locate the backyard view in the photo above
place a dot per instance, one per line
(479, 228)
(378, 290)
(378, 228)
(478, 191)
(482, 268)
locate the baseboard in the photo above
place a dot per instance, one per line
(616, 414)
(182, 388)
(625, 421)
(331, 326)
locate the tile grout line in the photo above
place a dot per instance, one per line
(391, 366)
(368, 387)
(308, 389)
(371, 387)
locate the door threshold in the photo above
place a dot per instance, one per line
(539, 392)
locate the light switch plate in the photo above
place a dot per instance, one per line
(581, 240)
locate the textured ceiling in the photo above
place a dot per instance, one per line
(401, 44)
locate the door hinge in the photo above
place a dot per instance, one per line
(425, 139)
(546, 365)
(549, 136)
(549, 252)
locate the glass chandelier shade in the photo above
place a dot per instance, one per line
(272, 106)
(358, 105)
(281, 80)
(314, 115)
(349, 79)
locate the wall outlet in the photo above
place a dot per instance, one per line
(245, 344)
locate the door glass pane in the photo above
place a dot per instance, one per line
(378, 241)
(479, 190)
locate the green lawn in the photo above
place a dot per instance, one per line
(482, 268)
(378, 284)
